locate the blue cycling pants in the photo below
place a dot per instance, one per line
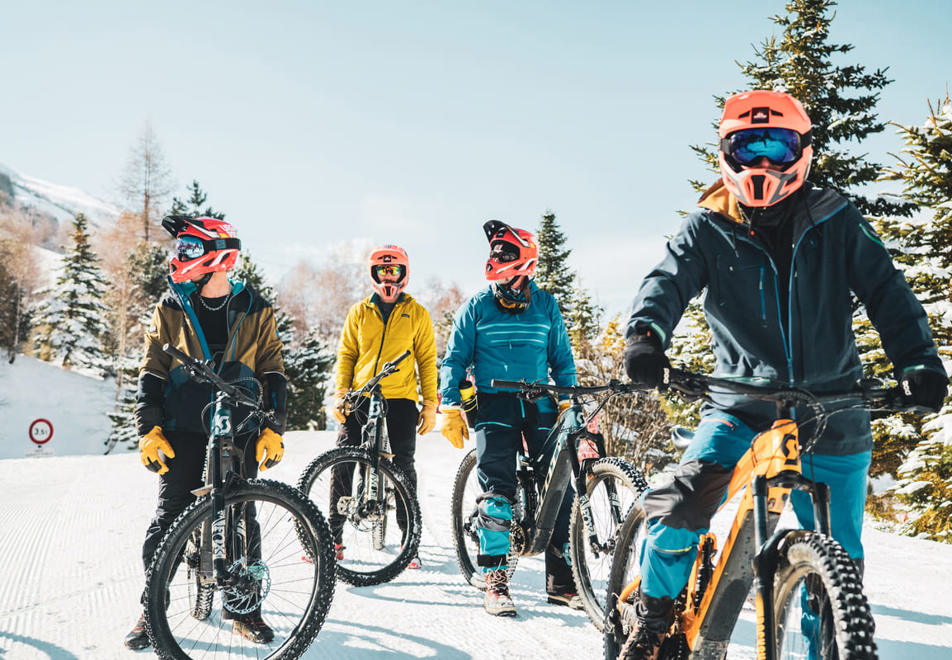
(678, 513)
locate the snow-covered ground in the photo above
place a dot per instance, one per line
(72, 528)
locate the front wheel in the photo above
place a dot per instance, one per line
(279, 564)
(368, 501)
(463, 514)
(612, 487)
(620, 592)
(819, 606)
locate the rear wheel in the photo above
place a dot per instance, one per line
(366, 524)
(612, 486)
(279, 564)
(819, 606)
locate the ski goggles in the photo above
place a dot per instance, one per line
(388, 270)
(503, 252)
(780, 146)
(189, 247)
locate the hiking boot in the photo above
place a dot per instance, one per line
(497, 601)
(568, 599)
(138, 638)
(653, 620)
(339, 551)
(252, 626)
(642, 644)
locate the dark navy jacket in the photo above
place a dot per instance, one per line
(836, 253)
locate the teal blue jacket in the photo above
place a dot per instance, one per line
(532, 345)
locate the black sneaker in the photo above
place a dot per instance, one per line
(253, 627)
(138, 638)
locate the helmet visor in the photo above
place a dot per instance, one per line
(189, 247)
(503, 252)
(780, 146)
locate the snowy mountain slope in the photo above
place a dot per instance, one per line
(61, 202)
(73, 575)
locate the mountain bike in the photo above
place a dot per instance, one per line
(605, 487)
(368, 497)
(242, 540)
(809, 597)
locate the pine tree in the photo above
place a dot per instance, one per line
(839, 99)
(922, 250)
(71, 322)
(583, 318)
(690, 349)
(193, 205)
(308, 368)
(123, 432)
(552, 273)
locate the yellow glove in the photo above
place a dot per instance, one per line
(149, 447)
(269, 442)
(341, 408)
(427, 418)
(454, 427)
(564, 405)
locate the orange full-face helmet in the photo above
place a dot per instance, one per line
(203, 246)
(389, 271)
(512, 252)
(763, 124)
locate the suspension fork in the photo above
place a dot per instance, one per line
(221, 429)
(763, 574)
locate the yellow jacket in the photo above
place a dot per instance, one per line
(366, 345)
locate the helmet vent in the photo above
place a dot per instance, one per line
(757, 181)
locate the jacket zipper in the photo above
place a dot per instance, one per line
(383, 336)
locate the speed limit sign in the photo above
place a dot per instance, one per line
(41, 431)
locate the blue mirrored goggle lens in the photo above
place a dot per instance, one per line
(188, 248)
(780, 146)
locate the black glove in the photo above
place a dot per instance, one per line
(645, 360)
(925, 388)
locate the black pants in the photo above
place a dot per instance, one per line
(402, 418)
(184, 476)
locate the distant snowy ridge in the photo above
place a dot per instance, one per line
(60, 202)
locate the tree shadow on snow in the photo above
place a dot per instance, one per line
(48, 648)
(909, 615)
(367, 641)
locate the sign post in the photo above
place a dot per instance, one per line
(41, 432)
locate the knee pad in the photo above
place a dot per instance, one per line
(495, 512)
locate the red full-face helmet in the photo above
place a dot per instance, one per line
(389, 271)
(512, 252)
(202, 246)
(763, 124)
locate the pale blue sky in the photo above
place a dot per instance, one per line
(312, 123)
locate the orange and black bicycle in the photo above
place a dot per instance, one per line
(808, 593)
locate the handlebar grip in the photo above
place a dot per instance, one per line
(401, 358)
(511, 384)
(178, 354)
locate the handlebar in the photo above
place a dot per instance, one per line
(872, 392)
(201, 371)
(370, 385)
(537, 390)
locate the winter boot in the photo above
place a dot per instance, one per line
(653, 622)
(252, 626)
(497, 601)
(138, 638)
(568, 599)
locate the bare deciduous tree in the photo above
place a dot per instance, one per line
(18, 239)
(147, 180)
